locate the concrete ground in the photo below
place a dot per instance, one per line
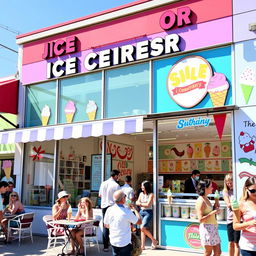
(40, 244)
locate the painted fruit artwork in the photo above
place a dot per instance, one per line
(190, 151)
(207, 149)
(216, 150)
(198, 150)
(208, 165)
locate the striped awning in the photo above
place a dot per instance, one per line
(76, 130)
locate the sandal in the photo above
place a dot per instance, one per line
(154, 244)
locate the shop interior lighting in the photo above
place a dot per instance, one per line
(164, 139)
(142, 133)
(224, 135)
(252, 27)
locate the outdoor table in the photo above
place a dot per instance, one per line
(9, 216)
(66, 225)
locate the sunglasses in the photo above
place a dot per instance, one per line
(13, 195)
(252, 190)
(64, 196)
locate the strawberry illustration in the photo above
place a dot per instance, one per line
(189, 151)
(216, 150)
(207, 149)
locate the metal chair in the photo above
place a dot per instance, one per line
(92, 235)
(21, 226)
(54, 236)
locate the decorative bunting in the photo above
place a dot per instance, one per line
(219, 120)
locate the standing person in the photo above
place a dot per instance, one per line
(118, 219)
(208, 228)
(6, 195)
(214, 184)
(127, 189)
(107, 189)
(191, 183)
(245, 218)
(233, 235)
(3, 189)
(145, 202)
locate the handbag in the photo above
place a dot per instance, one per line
(136, 245)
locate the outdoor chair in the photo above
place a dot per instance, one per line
(54, 236)
(21, 226)
(93, 237)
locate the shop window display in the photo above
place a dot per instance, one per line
(74, 167)
(38, 176)
(80, 98)
(124, 89)
(39, 97)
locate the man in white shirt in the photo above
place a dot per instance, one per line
(127, 189)
(107, 189)
(118, 219)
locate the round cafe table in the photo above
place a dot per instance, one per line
(66, 224)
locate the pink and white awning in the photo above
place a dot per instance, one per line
(75, 131)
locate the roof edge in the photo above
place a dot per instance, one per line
(103, 16)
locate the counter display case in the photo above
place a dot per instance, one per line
(179, 226)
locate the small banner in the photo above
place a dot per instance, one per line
(219, 120)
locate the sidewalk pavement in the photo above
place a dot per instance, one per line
(40, 244)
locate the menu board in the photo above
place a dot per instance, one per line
(97, 169)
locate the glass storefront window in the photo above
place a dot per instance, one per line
(74, 168)
(80, 98)
(38, 174)
(37, 97)
(127, 91)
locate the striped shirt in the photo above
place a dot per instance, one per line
(248, 235)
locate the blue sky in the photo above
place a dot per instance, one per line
(29, 15)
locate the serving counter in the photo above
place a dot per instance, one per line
(179, 226)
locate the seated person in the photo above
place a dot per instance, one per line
(15, 206)
(84, 212)
(60, 208)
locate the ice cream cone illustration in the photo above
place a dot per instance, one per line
(45, 115)
(91, 110)
(70, 110)
(7, 167)
(247, 82)
(218, 88)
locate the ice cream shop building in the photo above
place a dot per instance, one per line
(152, 88)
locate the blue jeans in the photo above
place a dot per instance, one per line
(146, 216)
(122, 251)
(248, 253)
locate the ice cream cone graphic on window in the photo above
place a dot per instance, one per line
(218, 88)
(45, 115)
(247, 82)
(91, 110)
(7, 167)
(70, 110)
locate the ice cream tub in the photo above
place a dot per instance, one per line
(192, 213)
(167, 210)
(184, 212)
(221, 215)
(176, 211)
